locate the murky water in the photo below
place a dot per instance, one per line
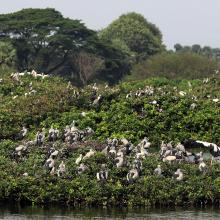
(39, 213)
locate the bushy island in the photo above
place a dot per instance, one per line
(156, 108)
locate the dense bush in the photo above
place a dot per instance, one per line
(175, 66)
(57, 103)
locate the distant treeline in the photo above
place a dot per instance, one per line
(42, 39)
(213, 53)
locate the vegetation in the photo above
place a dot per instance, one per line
(211, 53)
(181, 104)
(175, 65)
(46, 41)
(56, 103)
(139, 37)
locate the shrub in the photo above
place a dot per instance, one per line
(175, 66)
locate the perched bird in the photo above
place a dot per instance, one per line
(132, 175)
(25, 174)
(178, 175)
(50, 164)
(82, 168)
(54, 153)
(169, 159)
(158, 171)
(89, 154)
(202, 167)
(79, 159)
(119, 161)
(61, 169)
(24, 131)
(97, 100)
(102, 175)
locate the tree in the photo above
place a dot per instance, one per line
(176, 65)
(141, 37)
(7, 54)
(48, 42)
(196, 48)
(43, 38)
(178, 47)
(87, 66)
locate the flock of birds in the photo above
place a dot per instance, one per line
(121, 152)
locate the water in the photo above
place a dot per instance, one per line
(64, 213)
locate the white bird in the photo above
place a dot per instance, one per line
(14, 97)
(96, 101)
(83, 114)
(132, 175)
(25, 174)
(55, 153)
(79, 159)
(62, 169)
(50, 162)
(180, 147)
(53, 171)
(193, 106)
(215, 100)
(19, 148)
(202, 166)
(178, 175)
(89, 154)
(158, 170)
(102, 175)
(182, 93)
(169, 159)
(82, 168)
(119, 162)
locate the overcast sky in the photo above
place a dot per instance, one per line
(180, 21)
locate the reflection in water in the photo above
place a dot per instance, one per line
(59, 212)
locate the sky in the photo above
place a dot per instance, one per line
(186, 22)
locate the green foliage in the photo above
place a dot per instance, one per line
(213, 53)
(46, 41)
(7, 54)
(175, 65)
(140, 37)
(55, 103)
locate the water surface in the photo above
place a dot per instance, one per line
(58, 212)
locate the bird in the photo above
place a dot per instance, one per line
(97, 100)
(202, 166)
(54, 153)
(89, 154)
(119, 161)
(132, 175)
(214, 149)
(169, 159)
(182, 93)
(24, 131)
(158, 171)
(61, 169)
(102, 175)
(178, 175)
(50, 165)
(180, 147)
(79, 159)
(215, 100)
(82, 168)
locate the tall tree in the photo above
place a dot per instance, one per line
(43, 38)
(141, 37)
(7, 54)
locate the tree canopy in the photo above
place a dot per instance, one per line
(141, 37)
(175, 65)
(48, 42)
